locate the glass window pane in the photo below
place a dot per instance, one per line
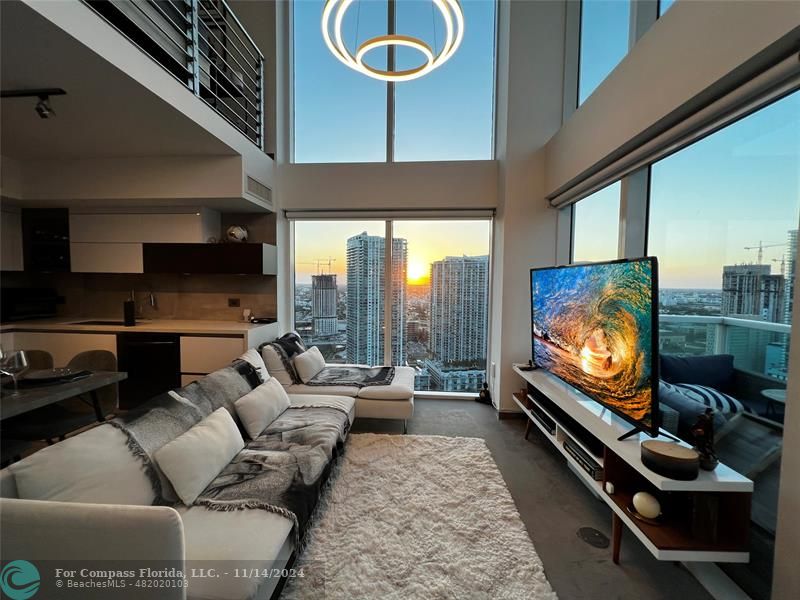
(447, 298)
(595, 226)
(723, 223)
(604, 41)
(663, 6)
(449, 113)
(339, 114)
(339, 288)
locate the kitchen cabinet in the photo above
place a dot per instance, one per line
(229, 258)
(91, 257)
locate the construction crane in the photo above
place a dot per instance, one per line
(781, 260)
(760, 249)
(318, 262)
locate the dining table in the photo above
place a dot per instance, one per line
(30, 398)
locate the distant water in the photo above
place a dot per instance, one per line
(593, 328)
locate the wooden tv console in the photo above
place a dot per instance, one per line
(704, 520)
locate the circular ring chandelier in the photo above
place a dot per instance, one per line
(454, 32)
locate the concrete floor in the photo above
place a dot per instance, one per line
(553, 504)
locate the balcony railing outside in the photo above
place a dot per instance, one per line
(757, 346)
(205, 47)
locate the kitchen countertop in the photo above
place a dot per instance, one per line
(68, 325)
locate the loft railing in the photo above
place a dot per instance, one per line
(204, 46)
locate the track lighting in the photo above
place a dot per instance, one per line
(43, 107)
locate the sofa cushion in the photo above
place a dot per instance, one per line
(220, 388)
(340, 402)
(95, 467)
(223, 540)
(254, 358)
(688, 408)
(309, 363)
(715, 370)
(350, 391)
(192, 460)
(262, 406)
(401, 388)
(276, 366)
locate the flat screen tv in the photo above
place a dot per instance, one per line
(595, 327)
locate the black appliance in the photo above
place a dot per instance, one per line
(19, 304)
(153, 364)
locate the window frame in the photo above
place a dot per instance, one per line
(390, 92)
(388, 287)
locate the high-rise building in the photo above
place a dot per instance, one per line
(324, 298)
(750, 290)
(790, 273)
(365, 295)
(459, 305)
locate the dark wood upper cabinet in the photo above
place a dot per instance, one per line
(45, 240)
(230, 258)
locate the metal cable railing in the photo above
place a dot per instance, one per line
(204, 46)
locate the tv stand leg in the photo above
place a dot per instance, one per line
(527, 428)
(616, 537)
(631, 433)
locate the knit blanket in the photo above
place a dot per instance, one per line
(353, 376)
(283, 470)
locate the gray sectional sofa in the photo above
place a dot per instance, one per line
(101, 498)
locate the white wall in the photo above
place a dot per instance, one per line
(428, 185)
(694, 45)
(529, 109)
(10, 178)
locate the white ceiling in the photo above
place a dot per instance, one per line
(104, 114)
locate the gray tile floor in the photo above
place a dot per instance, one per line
(554, 504)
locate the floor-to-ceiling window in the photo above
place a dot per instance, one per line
(340, 115)
(595, 226)
(437, 318)
(723, 221)
(664, 6)
(605, 26)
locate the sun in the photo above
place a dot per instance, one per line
(417, 272)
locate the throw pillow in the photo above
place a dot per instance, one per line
(254, 358)
(715, 399)
(714, 370)
(276, 366)
(96, 467)
(309, 363)
(192, 460)
(262, 406)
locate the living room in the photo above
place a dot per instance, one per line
(288, 287)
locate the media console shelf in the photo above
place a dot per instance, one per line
(706, 519)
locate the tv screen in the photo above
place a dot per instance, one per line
(594, 326)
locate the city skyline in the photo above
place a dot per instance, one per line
(428, 241)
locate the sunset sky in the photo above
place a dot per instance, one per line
(427, 241)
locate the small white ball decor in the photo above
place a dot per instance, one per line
(646, 505)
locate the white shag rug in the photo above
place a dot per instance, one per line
(411, 517)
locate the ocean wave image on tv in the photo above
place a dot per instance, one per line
(592, 327)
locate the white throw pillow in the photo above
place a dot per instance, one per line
(275, 365)
(254, 358)
(262, 406)
(309, 363)
(96, 467)
(193, 459)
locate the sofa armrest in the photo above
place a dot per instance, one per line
(94, 536)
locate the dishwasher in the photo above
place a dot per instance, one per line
(153, 364)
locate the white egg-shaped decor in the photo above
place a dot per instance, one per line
(646, 505)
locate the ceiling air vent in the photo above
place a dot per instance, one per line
(259, 190)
